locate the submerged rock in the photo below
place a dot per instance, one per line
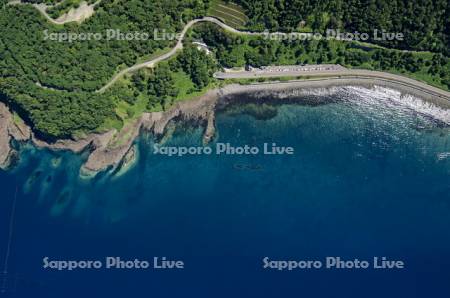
(107, 150)
(56, 162)
(111, 150)
(257, 111)
(128, 161)
(62, 201)
(31, 181)
(210, 130)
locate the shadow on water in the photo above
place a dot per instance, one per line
(248, 167)
(32, 180)
(113, 193)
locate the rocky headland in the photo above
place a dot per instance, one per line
(107, 150)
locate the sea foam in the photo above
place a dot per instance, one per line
(395, 99)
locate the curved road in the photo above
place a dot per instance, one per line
(173, 51)
(340, 72)
(344, 72)
(84, 11)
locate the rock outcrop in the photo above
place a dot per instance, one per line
(5, 138)
(116, 145)
(10, 128)
(107, 150)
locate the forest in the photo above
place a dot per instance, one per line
(424, 23)
(44, 80)
(239, 51)
(52, 85)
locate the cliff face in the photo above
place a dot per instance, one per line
(5, 139)
(109, 148)
(9, 129)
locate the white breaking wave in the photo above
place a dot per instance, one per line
(304, 92)
(320, 91)
(443, 155)
(370, 98)
(394, 98)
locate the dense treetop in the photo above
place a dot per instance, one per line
(424, 23)
(52, 85)
(69, 72)
(89, 64)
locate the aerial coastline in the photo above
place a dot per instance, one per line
(113, 91)
(224, 148)
(108, 149)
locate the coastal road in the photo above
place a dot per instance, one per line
(316, 70)
(282, 71)
(331, 71)
(150, 63)
(174, 50)
(335, 70)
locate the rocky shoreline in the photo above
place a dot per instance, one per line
(10, 130)
(107, 150)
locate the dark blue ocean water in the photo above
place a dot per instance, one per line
(369, 178)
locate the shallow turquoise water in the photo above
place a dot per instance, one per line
(369, 177)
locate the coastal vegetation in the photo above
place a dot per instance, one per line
(424, 23)
(65, 6)
(58, 7)
(229, 13)
(234, 50)
(53, 84)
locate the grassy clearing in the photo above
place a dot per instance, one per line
(187, 88)
(230, 13)
(126, 113)
(129, 112)
(64, 6)
(17, 120)
(155, 54)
